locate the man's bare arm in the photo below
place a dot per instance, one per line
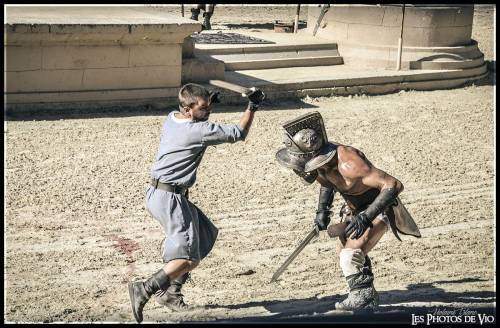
(377, 178)
(354, 165)
(246, 120)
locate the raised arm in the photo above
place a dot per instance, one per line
(255, 98)
(214, 134)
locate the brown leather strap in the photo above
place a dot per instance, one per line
(167, 187)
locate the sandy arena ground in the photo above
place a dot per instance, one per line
(77, 230)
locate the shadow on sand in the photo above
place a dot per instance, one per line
(121, 112)
(391, 309)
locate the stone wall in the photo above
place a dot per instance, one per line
(105, 54)
(371, 32)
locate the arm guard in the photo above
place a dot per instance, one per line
(385, 198)
(325, 200)
(323, 212)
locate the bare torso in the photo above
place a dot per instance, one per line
(351, 173)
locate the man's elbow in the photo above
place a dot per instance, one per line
(399, 186)
(394, 184)
(242, 135)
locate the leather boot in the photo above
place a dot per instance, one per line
(172, 297)
(367, 269)
(362, 293)
(206, 21)
(194, 13)
(140, 291)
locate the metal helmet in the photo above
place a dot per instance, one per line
(305, 140)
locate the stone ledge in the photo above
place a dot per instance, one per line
(93, 25)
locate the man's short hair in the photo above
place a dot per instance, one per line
(189, 93)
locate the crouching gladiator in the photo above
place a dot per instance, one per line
(372, 205)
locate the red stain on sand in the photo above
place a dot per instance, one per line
(126, 246)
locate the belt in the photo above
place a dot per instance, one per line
(168, 187)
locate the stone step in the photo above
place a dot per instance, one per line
(447, 64)
(261, 48)
(282, 83)
(274, 56)
(282, 62)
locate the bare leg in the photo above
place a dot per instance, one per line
(178, 267)
(370, 238)
(356, 267)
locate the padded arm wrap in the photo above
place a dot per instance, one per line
(384, 199)
(325, 201)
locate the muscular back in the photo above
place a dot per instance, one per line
(352, 173)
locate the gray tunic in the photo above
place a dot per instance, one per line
(189, 234)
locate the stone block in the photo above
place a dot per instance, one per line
(19, 58)
(188, 47)
(373, 34)
(429, 17)
(452, 36)
(201, 70)
(464, 16)
(336, 31)
(392, 16)
(84, 96)
(132, 77)
(356, 14)
(437, 37)
(152, 38)
(155, 55)
(41, 81)
(88, 29)
(27, 28)
(83, 57)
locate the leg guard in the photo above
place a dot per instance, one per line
(357, 270)
(140, 292)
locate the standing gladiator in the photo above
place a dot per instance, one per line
(371, 199)
(189, 233)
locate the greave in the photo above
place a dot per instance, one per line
(362, 293)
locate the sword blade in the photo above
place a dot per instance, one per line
(296, 252)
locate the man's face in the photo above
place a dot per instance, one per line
(201, 110)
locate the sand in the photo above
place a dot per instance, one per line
(77, 230)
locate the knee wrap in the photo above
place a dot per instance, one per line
(351, 261)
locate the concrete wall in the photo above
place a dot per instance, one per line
(64, 56)
(371, 32)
